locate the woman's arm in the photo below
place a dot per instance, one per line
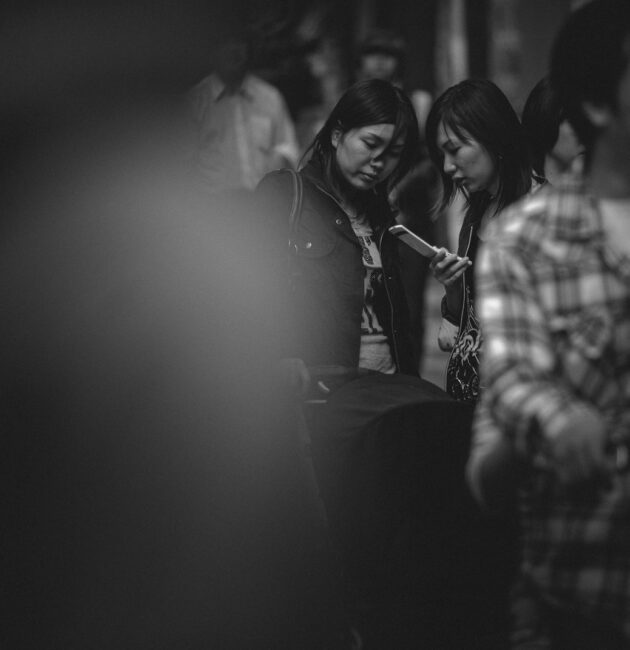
(448, 269)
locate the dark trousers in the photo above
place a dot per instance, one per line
(422, 564)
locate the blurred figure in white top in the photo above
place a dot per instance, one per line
(244, 127)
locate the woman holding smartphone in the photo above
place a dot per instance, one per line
(475, 140)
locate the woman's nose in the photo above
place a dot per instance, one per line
(449, 166)
(377, 162)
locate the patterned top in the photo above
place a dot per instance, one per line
(554, 301)
(374, 352)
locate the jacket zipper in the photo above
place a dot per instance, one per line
(386, 284)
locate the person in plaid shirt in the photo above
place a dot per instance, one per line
(554, 302)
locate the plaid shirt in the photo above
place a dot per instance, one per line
(554, 302)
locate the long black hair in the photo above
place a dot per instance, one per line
(477, 109)
(368, 102)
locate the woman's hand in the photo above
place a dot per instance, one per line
(448, 268)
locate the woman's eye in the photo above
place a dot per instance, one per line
(369, 144)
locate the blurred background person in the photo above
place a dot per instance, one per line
(382, 55)
(552, 141)
(244, 128)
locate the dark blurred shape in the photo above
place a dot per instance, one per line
(383, 41)
(551, 140)
(232, 60)
(542, 115)
(151, 478)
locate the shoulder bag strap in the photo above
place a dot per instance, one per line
(296, 207)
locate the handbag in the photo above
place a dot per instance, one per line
(462, 371)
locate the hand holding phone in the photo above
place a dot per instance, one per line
(448, 268)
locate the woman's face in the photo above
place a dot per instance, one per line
(467, 162)
(367, 156)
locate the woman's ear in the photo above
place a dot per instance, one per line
(335, 137)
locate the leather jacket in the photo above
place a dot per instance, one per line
(327, 275)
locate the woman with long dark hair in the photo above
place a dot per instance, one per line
(475, 139)
(347, 307)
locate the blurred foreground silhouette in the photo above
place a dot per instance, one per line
(151, 492)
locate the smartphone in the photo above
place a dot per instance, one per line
(411, 239)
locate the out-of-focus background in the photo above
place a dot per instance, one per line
(447, 40)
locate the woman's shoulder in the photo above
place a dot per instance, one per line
(275, 195)
(279, 180)
(282, 185)
(279, 189)
(284, 181)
